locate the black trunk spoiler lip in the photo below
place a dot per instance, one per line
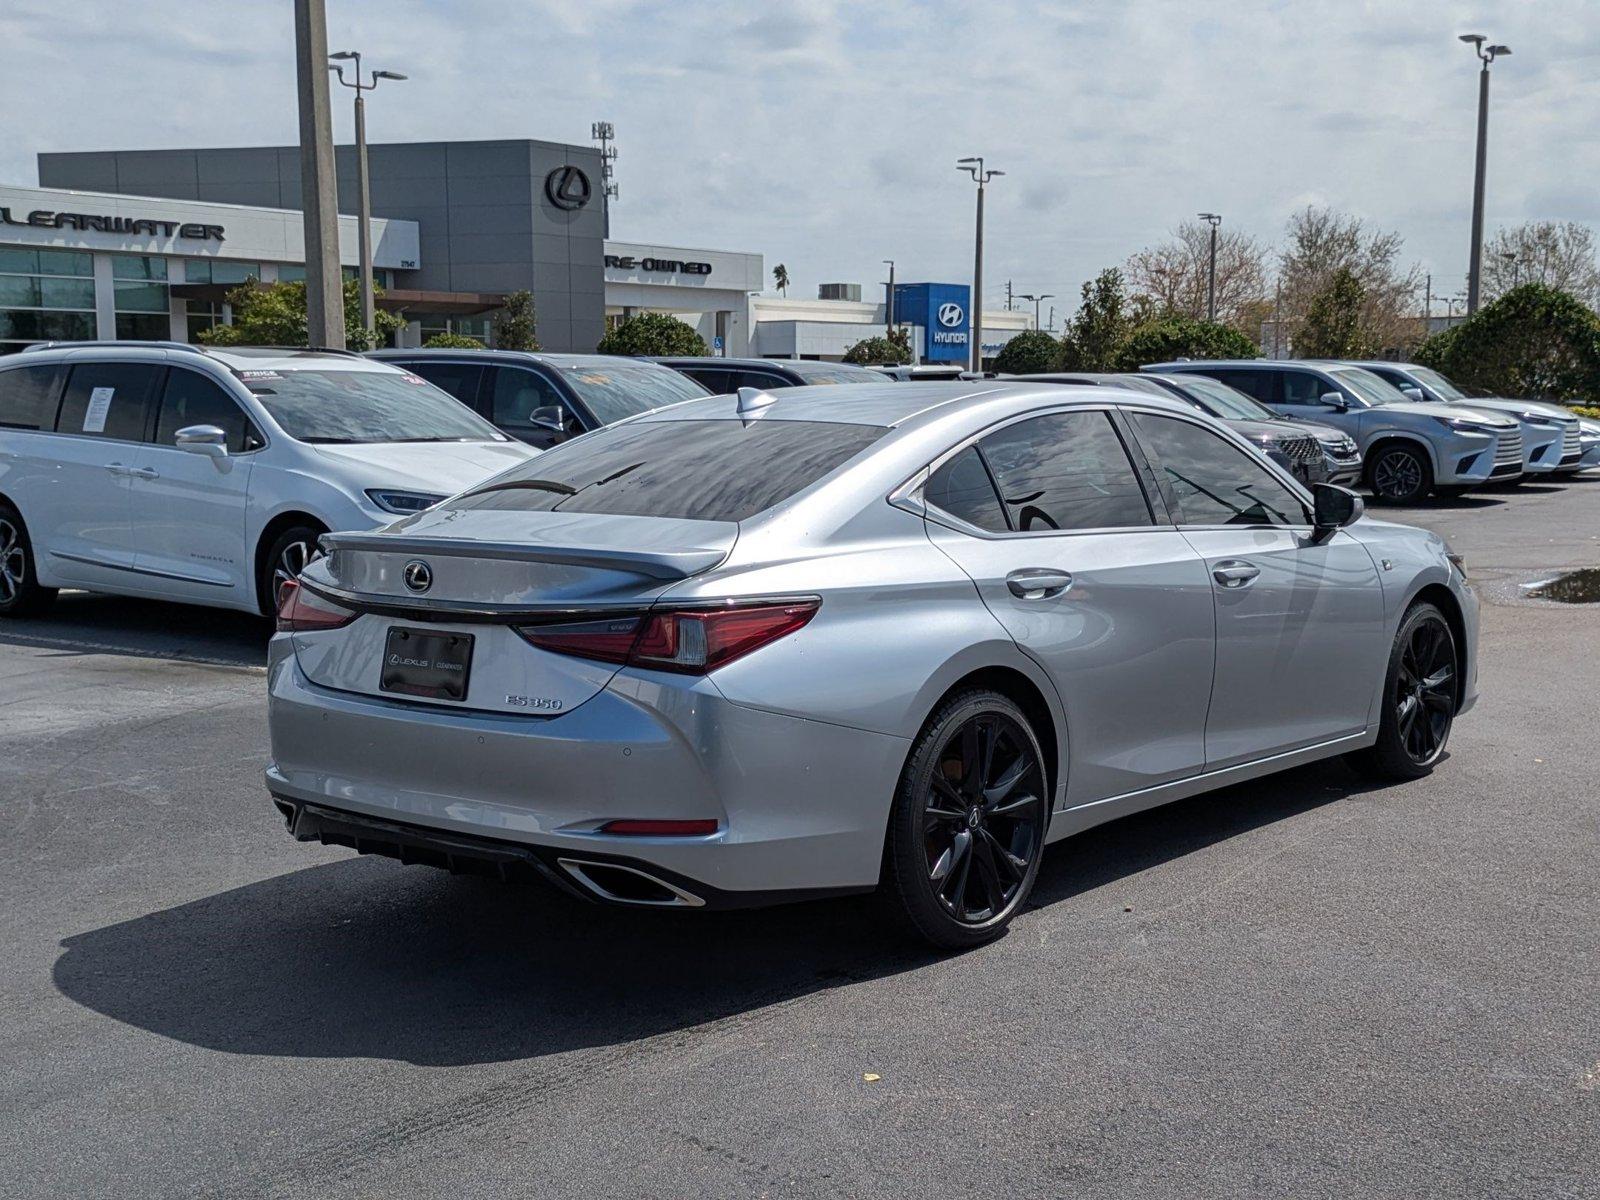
(663, 564)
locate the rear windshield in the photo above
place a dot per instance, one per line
(625, 389)
(696, 470)
(825, 373)
(365, 406)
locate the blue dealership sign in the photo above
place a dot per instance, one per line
(940, 310)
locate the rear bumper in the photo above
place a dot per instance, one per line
(801, 805)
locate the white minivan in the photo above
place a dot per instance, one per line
(177, 472)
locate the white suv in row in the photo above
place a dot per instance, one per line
(175, 472)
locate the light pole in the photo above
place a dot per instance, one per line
(1486, 55)
(888, 308)
(974, 167)
(1036, 301)
(363, 199)
(1511, 261)
(1213, 220)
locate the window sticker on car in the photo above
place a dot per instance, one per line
(94, 416)
(410, 378)
(594, 377)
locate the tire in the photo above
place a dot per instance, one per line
(20, 593)
(1419, 699)
(288, 555)
(1400, 474)
(967, 829)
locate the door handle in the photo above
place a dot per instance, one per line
(117, 469)
(143, 472)
(1038, 583)
(1235, 573)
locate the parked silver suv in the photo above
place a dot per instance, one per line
(1410, 449)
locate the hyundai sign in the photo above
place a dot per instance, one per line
(940, 310)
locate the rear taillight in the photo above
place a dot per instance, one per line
(301, 611)
(691, 641)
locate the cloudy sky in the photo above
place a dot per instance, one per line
(823, 134)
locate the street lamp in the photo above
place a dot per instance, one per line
(363, 199)
(974, 167)
(888, 312)
(1486, 55)
(1510, 258)
(1036, 301)
(1213, 220)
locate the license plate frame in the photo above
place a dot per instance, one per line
(427, 664)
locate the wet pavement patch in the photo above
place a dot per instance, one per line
(1571, 587)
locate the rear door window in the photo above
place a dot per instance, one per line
(110, 400)
(192, 399)
(28, 397)
(697, 470)
(1065, 471)
(1260, 384)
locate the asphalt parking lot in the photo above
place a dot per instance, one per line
(1304, 986)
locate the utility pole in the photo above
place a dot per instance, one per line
(318, 198)
(1008, 295)
(363, 181)
(1213, 220)
(1486, 55)
(888, 308)
(974, 167)
(1052, 318)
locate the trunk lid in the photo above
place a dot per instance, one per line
(483, 572)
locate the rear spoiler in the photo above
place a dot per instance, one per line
(653, 564)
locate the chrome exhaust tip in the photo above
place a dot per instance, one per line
(617, 884)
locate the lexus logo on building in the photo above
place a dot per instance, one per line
(568, 188)
(950, 315)
(417, 575)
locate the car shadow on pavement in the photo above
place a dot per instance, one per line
(367, 958)
(87, 623)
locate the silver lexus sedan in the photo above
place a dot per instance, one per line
(892, 637)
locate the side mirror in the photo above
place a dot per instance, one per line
(547, 417)
(209, 440)
(1412, 392)
(1335, 400)
(1334, 508)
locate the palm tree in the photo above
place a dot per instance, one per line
(780, 278)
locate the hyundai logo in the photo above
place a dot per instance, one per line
(567, 188)
(417, 575)
(951, 315)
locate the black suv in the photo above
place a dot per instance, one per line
(726, 375)
(543, 399)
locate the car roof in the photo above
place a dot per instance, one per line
(490, 354)
(234, 358)
(893, 404)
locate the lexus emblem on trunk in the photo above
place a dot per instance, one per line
(417, 575)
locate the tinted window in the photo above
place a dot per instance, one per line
(515, 394)
(1304, 388)
(829, 373)
(1065, 471)
(192, 399)
(27, 398)
(760, 380)
(1215, 483)
(963, 489)
(373, 405)
(714, 379)
(1220, 400)
(460, 379)
(613, 391)
(1252, 383)
(700, 470)
(110, 400)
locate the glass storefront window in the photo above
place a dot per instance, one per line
(141, 267)
(210, 270)
(45, 295)
(139, 289)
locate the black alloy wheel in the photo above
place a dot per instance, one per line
(1400, 475)
(1420, 699)
(969, 824)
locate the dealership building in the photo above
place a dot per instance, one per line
(147, 244)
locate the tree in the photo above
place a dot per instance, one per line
(1334, 325)
(875, 350)
(780, 278)
(1532, 343)
(653, 333)
(1321, 243)
(1174, 277)
(1096, 332)
(1559, 254)
(900, 335)
(1031, 352)
(516, 324)
(275, 315)
(1178, 337)
(452, 341)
